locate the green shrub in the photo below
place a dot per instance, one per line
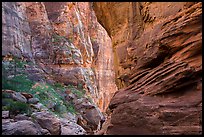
(57, 38)
(60, 108)
(80, 86)
(70, 108)
(6, 95)
(17, 83)
(48, 93)
(6, 101)
(15, 107)
(59, 87)
(45, 92)
(14, 76)
(43, 95)
(19, 63)
(70, 86)
(90, 100)
(78, 93)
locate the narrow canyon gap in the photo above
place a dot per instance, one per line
(118, 68)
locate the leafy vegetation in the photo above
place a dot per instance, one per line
(90, 99)
(15, 107)
(15, 77)
(6, 95)
(18, 83)
(70, 108)
(78, 91)
(57, 38)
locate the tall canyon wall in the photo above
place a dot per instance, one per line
(158, 63)
(66, 43)
(151, 50)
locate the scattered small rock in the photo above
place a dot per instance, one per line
(39, 107)
(18, 97)
(33, 100)
(45, 132)
(27, 95)
(5, 114)
(8, 91)
(70, 96)
(21, 117)
(71, 128)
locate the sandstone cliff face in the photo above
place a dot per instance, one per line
(66, 44)
(158, 63)
(65, 41)
(156, 56)
(104, 69)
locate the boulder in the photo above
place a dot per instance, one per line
(71, 128)
(20, 117)
(33, 100)
(18, 97)
(27, 95)
(23, 127)
(5, 114)
(157, 115)
(8, 91)
(90, 113)
(48, 121)
(70, 117)
(45, 132)
(39, 107)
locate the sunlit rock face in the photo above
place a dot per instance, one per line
(78, 23)
(104, 68)
(66, 43)
(158, 63)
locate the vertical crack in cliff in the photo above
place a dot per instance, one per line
(136, 22)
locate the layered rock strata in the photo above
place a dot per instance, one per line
(158, 63)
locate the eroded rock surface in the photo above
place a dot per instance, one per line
(48, 121)
(158, 63)
(23, 127)
(65, 43)
(155, 54)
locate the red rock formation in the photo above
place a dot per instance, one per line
(104, 68)
(157, 49)
(65, 42)
(77, 22)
